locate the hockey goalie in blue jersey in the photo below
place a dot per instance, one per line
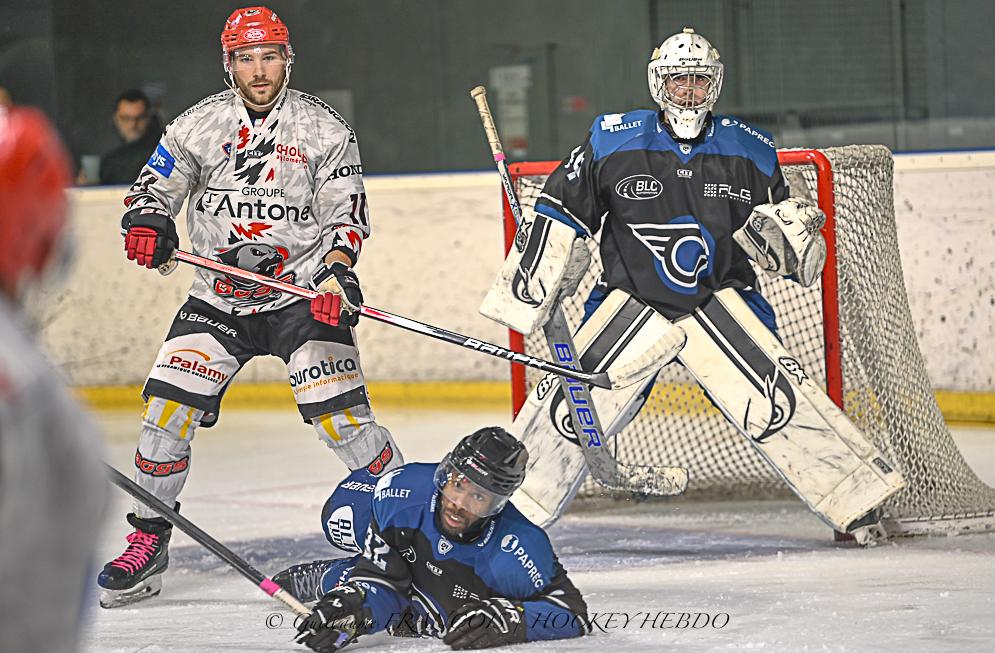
(687, 206)
(443, 554)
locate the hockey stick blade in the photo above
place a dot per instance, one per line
(651, 480)
(599, 379)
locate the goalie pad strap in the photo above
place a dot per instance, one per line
(763, 390)
(545, 265)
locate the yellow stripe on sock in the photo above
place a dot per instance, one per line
(352, 420)
(326, 423)
(167, 412)
(186, 423)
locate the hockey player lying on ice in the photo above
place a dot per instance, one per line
(683, 201)
(443, 554)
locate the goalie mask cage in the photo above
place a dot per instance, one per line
(852, 332)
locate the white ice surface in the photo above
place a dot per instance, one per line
(258, 481)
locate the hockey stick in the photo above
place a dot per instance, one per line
(217, 548)
(612, 378)
(605, 468)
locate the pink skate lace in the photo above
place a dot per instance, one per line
(141, 547)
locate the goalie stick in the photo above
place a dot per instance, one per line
(605, 468)
(611, 378)
(264, 583)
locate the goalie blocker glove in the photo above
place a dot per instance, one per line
(784, 239)
(340, 298)
(487, 623)
(338, 619)
(544, 266)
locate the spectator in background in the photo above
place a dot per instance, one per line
(140, 131)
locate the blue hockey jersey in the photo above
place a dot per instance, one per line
(409, 567)
(666, 209)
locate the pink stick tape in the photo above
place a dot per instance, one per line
(269, 586)
(499, 156)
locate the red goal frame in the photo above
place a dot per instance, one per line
(830, 278)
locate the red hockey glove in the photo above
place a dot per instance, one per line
(150, 237)
(340, 298)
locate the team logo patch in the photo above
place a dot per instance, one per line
(409, 554)
(162, 161)
(685, 148)
(341, 529)
(445, 546)
(682, 249)
(254, 34)
(509, 543)
(639, 187)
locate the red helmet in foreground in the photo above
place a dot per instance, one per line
(34, 172)
(254, 26)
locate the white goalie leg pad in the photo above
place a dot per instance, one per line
(162, 460)
(784, 239)
(356, 438)
(619, 331)
(545, 264)
(763, 390)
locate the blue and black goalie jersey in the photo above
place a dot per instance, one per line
(667, 209)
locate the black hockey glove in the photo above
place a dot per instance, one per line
(487, 623)
(150, 236)
(340, 298)
(336, 620)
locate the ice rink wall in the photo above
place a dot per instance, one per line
(436, 245)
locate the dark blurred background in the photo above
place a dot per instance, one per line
(912, 74)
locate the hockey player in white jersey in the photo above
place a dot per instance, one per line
(684, 200)
(52, 488)
(274, 183)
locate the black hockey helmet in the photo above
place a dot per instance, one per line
(490, 458)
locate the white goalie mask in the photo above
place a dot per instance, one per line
(685, 78)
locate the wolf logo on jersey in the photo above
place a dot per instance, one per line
(682, 249)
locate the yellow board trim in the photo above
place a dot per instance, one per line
(957, 407)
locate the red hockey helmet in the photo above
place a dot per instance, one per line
(34, 172)
(254, 26)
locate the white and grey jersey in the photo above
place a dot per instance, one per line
(272, 197)
(52, 496)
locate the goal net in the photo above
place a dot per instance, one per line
(852, 332)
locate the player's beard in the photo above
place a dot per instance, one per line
(261, 90)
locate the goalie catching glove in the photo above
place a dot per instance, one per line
(784, 239)
(545, 265)
(338, 619)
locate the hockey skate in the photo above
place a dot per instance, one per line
(304, 581)
(136, 574)
(867, 530)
